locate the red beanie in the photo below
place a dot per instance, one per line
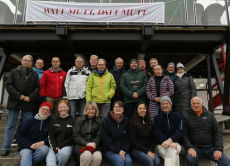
(46, 104)
(141, 61)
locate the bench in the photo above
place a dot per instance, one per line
(221, 119)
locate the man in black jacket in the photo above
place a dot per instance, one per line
(117, 71)
(23, 88)
(202, 135)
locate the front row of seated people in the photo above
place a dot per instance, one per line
(119, 139)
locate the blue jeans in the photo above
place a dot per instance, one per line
(145, 159)
(32, 157)
(77, 104)
(158, 109)
(62, 156)
(117, 160)
(11, 124)
(206, 152)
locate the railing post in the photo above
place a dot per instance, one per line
(5, 57)
(209, 84)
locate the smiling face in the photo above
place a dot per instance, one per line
(196, 104)
(141, 110)
(26, 62)
(133, 65)
(119, 64)
(170, 68)
(153, 63)
(101, 65)
(142, 66)
(39, 64)
(158, 71)
(118, 110)
(180, 71)
(91, 111)
(44, 112)
(165, 106)
(63, 109)
(93, 62)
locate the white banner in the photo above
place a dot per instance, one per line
(95, 12)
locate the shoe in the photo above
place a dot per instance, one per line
(5, 152)
(14, 144)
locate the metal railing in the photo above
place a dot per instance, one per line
(179, 13)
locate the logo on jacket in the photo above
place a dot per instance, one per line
(61, 77)
(69, 125)
(204, 117)
(57, 125)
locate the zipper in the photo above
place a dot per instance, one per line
(168, 121)
(57, 84)
(41, 126)
(201, 130)
(118, 125)
(89, 129)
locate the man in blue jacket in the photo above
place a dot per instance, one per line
(169, 131)
(32, 137)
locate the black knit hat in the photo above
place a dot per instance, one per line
(133, 60)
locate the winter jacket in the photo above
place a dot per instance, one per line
(40, 72)
(166, 89)
(100, 89)
(201, 131)
(17, 85)
(75, 83)
(84, 131)
(60, 132)
(119, 95)
(184, 91)
(114, 135)
(133, 81)
(32, 131)
(52, 83)
(167, 126)
(143, 140)
(171, 75)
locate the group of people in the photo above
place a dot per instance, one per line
(139, 113)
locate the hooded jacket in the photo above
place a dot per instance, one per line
(166, 89)
(201, 131)
(143, 140)
(52, 83)
(32, 131)
(133, 81)
(100, 89)
(75, 83)
(40, 72)
(184, 91)
(60, 132)
(17, 85)
(119, 95)
(167, 126)
(115, 135)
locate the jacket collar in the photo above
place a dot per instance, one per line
(97, 119)
(114, 119)
(169, 114)
(133, 71)
(115, 69)
(38, 70)
(51, 69)
(204, 111)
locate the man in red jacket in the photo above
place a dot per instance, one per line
(51, 84)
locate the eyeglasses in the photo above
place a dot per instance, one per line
(43, 109)
(27, 60)
(79, 61)
(55, 61)
(39, 63)
(120, 107)
(101, 65)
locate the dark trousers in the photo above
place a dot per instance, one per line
(130, 109)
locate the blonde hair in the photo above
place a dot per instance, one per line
(94, 56)
(94, 105)
(153, 59)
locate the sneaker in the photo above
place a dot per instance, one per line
(14, 144)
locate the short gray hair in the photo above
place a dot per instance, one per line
(119, 58)
(29, 57)
(79, 57)
(101, 59)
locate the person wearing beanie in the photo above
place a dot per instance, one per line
(169, 131)
(32, 137)
(184, 90)
(133, 84)
(171, 70)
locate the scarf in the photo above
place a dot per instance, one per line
(101, 72)
(180, 75)
(117, 119)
